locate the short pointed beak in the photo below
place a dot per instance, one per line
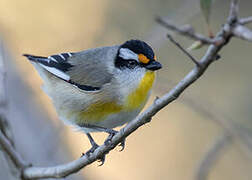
(153, 66)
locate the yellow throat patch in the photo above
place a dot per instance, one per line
(98, 111)
(138, 97)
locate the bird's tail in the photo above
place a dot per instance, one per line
(35, 58)
(52, 65)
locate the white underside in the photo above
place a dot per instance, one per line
(112, 121)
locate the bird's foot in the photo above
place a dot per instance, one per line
(112, 133)
(93, 148)
(101, 160)
(122, 145)
(90, 151)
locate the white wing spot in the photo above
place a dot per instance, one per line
(50, 57)
(62, 56)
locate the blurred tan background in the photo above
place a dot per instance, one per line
(172, 145)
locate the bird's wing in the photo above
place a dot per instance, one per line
(88, 70)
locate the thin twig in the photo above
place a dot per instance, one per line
(236, 27)
(242, 32)
(233, 13)
(184, 51)
(189, 32)
(244, 21)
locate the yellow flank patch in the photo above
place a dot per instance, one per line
(143, 59)
(98, 111)
(138, 97)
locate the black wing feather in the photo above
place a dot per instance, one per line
(54, 61)
(59, 62)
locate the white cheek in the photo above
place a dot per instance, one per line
(126, 53)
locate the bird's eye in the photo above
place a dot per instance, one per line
(132, 64)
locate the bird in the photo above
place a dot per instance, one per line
(98, 89)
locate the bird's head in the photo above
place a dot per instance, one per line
(136, 54)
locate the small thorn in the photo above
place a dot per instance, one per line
(148, 119)
(217, 57)
(122, 145)
(102, 160)
(155, 101)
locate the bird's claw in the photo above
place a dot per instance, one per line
(90, 151)
(109, 138)
(101, 160)
(122, 145)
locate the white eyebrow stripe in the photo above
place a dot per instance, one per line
(126, 53)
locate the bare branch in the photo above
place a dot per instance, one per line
(183, 50)
(216, 44)
(143, 118)
(238, 29)
(244, 21)
(8, 148)
(211, 156)
(188, 32)
(6, 142)
(243, 32)
(4, 125)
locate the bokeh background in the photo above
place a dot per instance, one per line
(174, 143)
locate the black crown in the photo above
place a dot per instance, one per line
(139, 47)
